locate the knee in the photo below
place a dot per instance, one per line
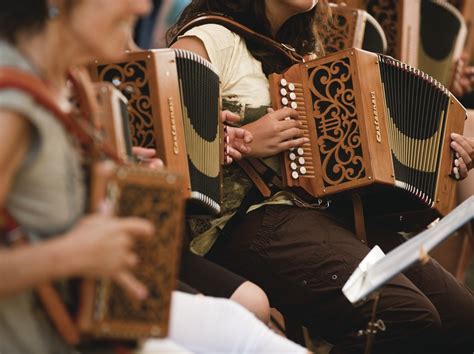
(254, 299)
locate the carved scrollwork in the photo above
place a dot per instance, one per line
(131, 79)
(385, 12)
(157, 256)
(340, 35)
(337, 125)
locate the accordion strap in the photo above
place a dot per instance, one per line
(12, 78)
(247, 33)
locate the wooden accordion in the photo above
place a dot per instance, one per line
(174, 106)
(353, 28)
(400, 20)
(105, 310)
(440, 46)
(372, 122)
(112, 118)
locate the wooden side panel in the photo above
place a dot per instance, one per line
(446, 185)
(408, 32)
(374, 115)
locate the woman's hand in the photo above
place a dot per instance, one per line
(100, 246)
(147, 157)
(275, 132)
(464, 148)
(463, 78)
(236, 140)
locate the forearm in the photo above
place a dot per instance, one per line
(30, 265)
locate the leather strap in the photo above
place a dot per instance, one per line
(17, 79)
(245, 32)
(256, 178)
(359, 220)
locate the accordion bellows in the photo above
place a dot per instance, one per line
(174, 106)
(372, 122)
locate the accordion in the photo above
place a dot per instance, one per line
(400, 20)
(353, 28)
(372, 122)
(174, 106)
(440, 46)
(105, 310)
(112, 119)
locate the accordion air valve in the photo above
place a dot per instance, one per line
(372, 122)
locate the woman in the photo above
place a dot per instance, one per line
(43, 189)
(302, 256)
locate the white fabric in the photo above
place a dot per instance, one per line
(210, 325)
(244, 85)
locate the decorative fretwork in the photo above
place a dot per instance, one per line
(385, 12)
(156, 256)
(341, 33)
(131, 79)
(337, 125)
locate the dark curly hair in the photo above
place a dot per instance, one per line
(23, 16)
(302, 31)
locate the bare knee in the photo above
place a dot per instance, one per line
(254, 299)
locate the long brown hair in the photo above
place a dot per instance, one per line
(302, 32)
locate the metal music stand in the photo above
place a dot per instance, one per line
(377, 268)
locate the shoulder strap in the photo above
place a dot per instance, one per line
(247, 33)
(41, 93)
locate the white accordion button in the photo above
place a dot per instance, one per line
(292, 95)
(283, 92)
(284, 101)
(292, 156)
(291, 87)
(293, 166)
(294, 105)
(301, 161)
(283, 82)
(294, 175)
(300, 151)
(303, 170)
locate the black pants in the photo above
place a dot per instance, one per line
(302, 258)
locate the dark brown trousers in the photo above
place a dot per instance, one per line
(302, 258)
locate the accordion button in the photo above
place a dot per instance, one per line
(283, 82)
(283, 92)
(284, 101)
(292, 96)
(303, 170)
(291, 87)
(294, 175)
(301, 161)
(292, 156)
(300, 151)
(293, 166)
(294, 105)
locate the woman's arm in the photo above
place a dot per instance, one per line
(98, 246)
(275, 132)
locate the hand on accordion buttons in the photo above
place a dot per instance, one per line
(276, 132)
(103, 248)
(147, 157)
(464, 148)
(236, 140)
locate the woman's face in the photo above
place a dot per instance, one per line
(103, 28)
